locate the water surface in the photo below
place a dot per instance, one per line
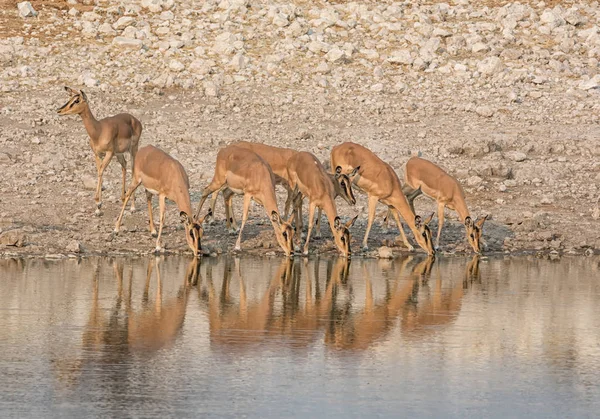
(250, 337)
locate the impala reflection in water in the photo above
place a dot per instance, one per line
(308, 337)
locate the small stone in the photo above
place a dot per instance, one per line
(547, 200)
(485, 111)
(211, 89)
(401, 57)
(123, 22)
(127, 42)
(502, 187)
(474, 181)
(74, 247)
(592, 83)
(490, 66)
(517, 156)
(26, 9)
(385, 252)
(176, 66)
(89, 182)
(335, 55)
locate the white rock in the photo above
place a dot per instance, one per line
(238, 62)
(490, 65)
(280, 20)
(485, 111)
(176, 65)
(127, 42)
(401, 57)
(201, 67)
(91, 16)
(211, 89)
(552, 19)
(480, 47)
(123, 22)
(26, 9)
(592, 83)
(73, 247)
(106, 29)
(517, 156)
(474, 181)
(335, 55)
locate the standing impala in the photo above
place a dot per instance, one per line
(423, 177)
(381, 184)
(164, 176)
(243, 172)
(306, 173)
(110, 136)
(277, 158)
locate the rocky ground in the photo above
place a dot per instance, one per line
(504, 96)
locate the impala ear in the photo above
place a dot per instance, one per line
(275, 217)
(354, 172)
(468, 222)
(83, 95)
(351, 222)
(428, 219)
(72, 92)
(201, 220)
(185, 218)
(479, 222)
(337, 223)
(418, 221)
(338, 170)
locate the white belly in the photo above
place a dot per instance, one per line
(152, 191)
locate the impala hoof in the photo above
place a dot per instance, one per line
(115, 232)
(158, 249)
(365, 248)
(97, 213)
(154, 234)
(237, 249)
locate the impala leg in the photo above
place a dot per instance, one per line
(318, 224)
(213, 202)
(311, 221)
(288, 201)
(130, 192)
(101, 167)
(402, 234)
(162, 207)
(150, 215)
(215, 185)
(133, 152)
(372, 205)
(247, 200)
(386, 220)
(440, 224)
(232, 224)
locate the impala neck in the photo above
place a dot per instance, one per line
(461, 208)
(401, 204)
(331, 213)
(184, 203)
(92, 126)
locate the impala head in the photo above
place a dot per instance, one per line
(284, 232)
(193, 231)
(474, 230)
(341, 235)
(76, 103)
(343, 184)
(424, 234)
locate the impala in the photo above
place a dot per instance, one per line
(423, 177)
(110, 136)
(381, 184)
(307, 174)
(243, 172)
(164, 176)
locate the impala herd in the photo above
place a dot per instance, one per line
(253, 170)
